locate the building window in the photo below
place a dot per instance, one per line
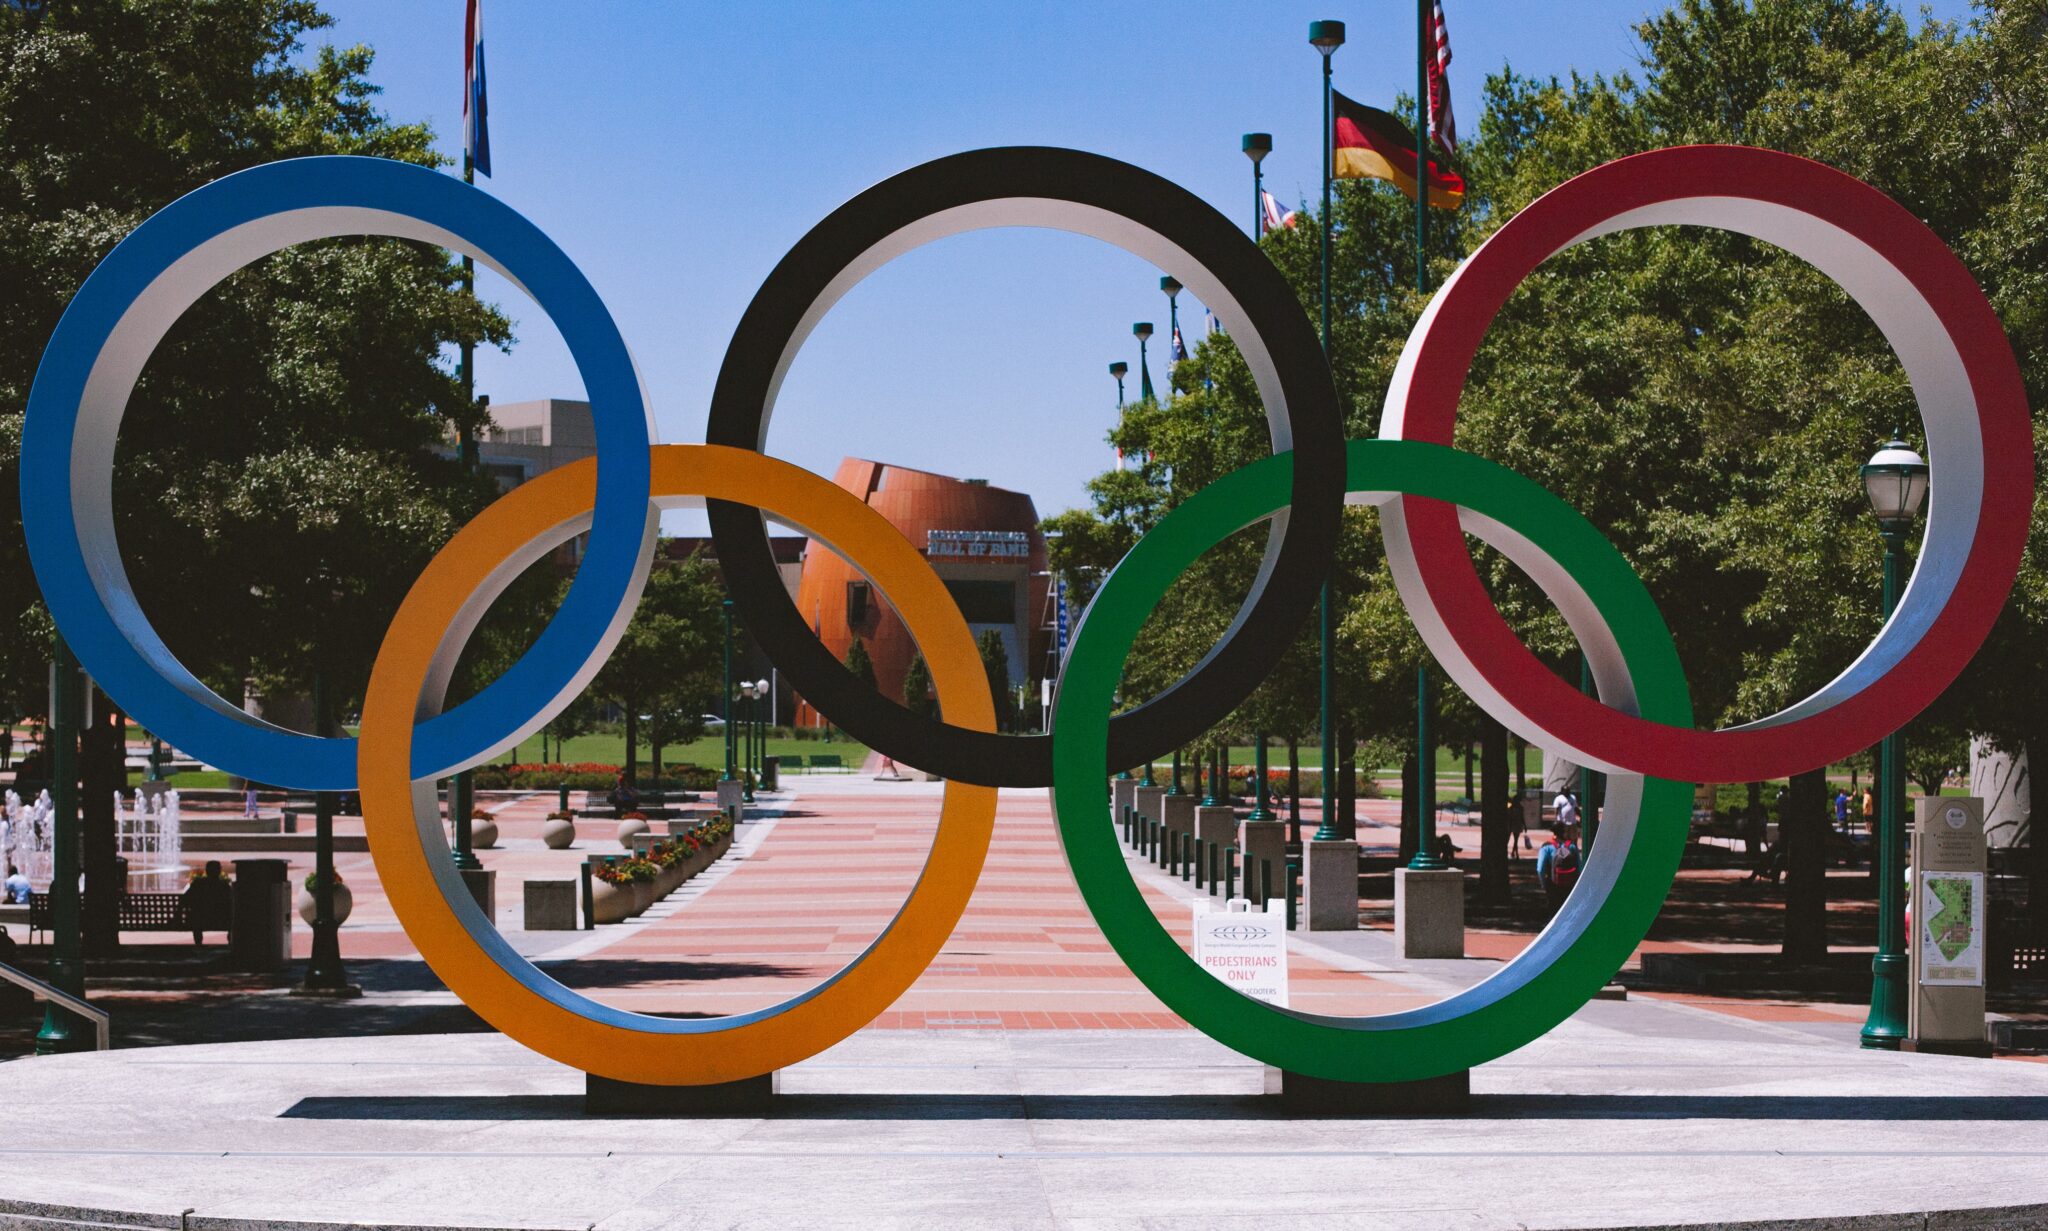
(985, 602)
(856, 603)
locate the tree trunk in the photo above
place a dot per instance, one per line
(1753, 821)
(1521, 767)
(654, 754)
(632, 740)
(102, 765)
(1411, 827)
(1803, 829)
(1294, 789)
(1470, 793)
(1347, 783)
(1495, 809)
(2037, 842)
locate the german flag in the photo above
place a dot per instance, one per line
(1371, 144)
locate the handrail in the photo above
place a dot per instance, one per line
(77, 1004)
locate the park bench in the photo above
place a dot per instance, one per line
(139, 912)
(831, 761)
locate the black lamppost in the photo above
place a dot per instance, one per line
(1143, 332)
(1171, 285)
(1895, 480)
(725, 710)
(746, 719)
(761, 696)
(1256, 147)
(1326, 37)
(1117, 370)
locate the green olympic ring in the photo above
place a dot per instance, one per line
(1608, 913)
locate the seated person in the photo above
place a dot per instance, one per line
(16, 886)
(209, 902)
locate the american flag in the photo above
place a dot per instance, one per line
(1180, 348)
(1441, 122)
(476, 129)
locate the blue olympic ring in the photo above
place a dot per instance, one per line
(130, 302)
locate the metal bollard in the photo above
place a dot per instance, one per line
(1187, 848)
(1200, 845)
(562, 797)
(1293, 892)
(1229, 872)
(589, 899)
(1174, 841)
(1265, 881)
(1126, 820)
(1212, 869)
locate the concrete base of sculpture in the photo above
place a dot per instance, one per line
(748, 1097)
(1329, 884)
(1302, 1095)
(732, 797)
(1429, 912)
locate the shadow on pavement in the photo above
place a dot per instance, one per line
(1205, 1107)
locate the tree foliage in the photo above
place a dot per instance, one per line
(277, 479)
(1705, 399)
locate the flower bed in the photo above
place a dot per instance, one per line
(586, 776)
(626, 886)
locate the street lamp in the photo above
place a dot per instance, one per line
(1326, 37)
(761, 693)
(1171, 285)
(746, 719)
(725, 710)
(1143, 332)
(1117, 370)
(1256, 146)
(1895, 481)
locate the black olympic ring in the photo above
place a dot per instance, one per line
(1145, 215)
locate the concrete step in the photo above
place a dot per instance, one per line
(205, 824)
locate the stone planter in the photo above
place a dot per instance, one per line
(559, 834)
(627, 829)
(610, 903)
(483, 834)
(344, 902)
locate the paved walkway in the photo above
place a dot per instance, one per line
(803, 892)
(1629, 1115)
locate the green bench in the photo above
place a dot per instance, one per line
(831, 761)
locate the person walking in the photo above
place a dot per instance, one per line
(1557, 867)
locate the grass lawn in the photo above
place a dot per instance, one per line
(709, 750)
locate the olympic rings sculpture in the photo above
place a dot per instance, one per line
(1638, 728)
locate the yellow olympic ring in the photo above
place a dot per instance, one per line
(463, 946)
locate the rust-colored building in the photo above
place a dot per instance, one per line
(985, 545)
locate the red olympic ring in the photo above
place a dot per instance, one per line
(1965, 379)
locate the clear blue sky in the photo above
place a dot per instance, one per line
(676, 151)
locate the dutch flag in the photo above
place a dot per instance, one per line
(476, 128)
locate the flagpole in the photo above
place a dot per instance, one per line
(1425, 699)
(1327, 37)
(461, 794)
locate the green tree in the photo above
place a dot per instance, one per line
(858, 662)
(1703, 398)
(278, 484)
(918, 697)
(667, 668)
(995, 664)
